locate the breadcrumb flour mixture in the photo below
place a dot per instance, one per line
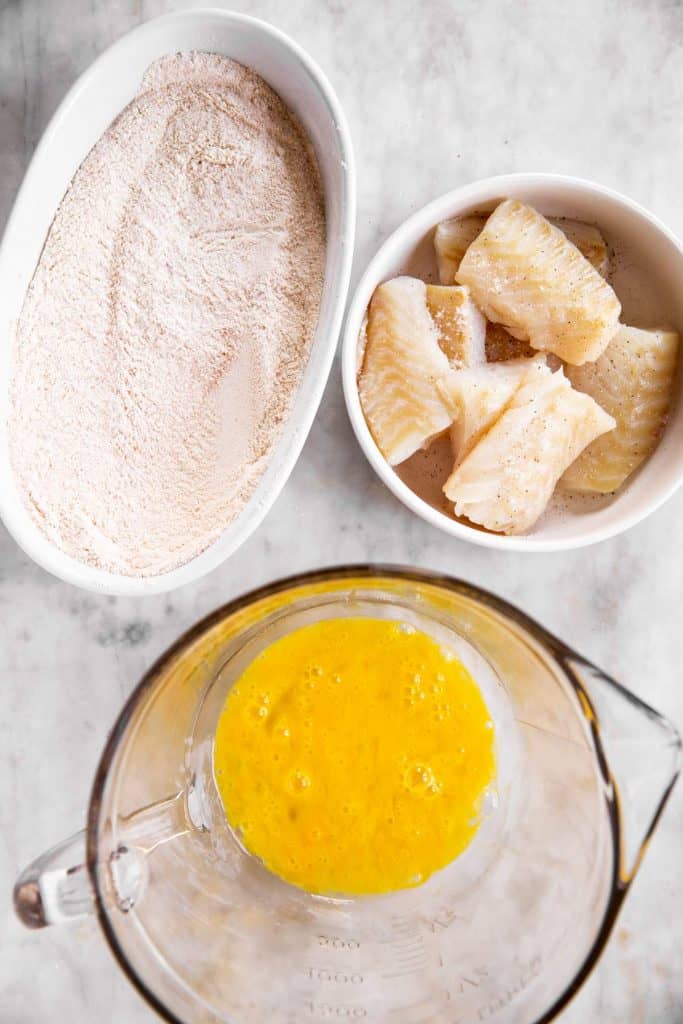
(169, 319)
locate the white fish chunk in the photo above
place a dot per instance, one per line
(526, 275)
(481, 393)
(633, 381)
(403, 366)
(506, 481)
(453, 237)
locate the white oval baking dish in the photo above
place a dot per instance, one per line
(94, 101)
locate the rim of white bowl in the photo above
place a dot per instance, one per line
(43, 552)
(413, 229)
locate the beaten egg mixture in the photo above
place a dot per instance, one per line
(352, 756)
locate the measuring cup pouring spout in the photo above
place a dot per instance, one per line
(638, 752)
(505, 934)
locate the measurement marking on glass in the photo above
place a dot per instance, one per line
(528, 974)
(405, 925)
(337, 1011)
(341, 977)
(414, 963)
(444, 919)
(337, 942)
(404, 970)
(480, 973)
(409, 955)
(408, 952)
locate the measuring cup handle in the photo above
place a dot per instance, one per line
(56, 887)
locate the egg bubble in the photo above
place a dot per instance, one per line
(300, 781)
(419, 778)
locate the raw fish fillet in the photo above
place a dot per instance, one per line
(633, 381)
(505, 482)
(402, 368)
(461, 326)
(588, 240)
(451, 241)
(481, 394)
(453, 237)
(526, 275)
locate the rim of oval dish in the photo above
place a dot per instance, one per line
(16, 518)
(412, 231)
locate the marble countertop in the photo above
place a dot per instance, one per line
(437, 94)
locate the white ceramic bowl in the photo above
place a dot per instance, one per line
(623, 222)
(89, 108)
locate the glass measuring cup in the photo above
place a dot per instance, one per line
(506, 933)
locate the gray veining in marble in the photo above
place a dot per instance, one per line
(437, 93)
